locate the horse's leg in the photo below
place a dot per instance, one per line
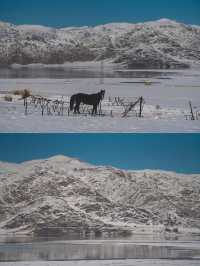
(75, 109)
(78, 107)
(93, 110)
(96, 109)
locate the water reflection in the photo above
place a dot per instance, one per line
(66, 251)
(60, 73)
(43, 249)
(13, 238)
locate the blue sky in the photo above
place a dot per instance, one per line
(92, 12)
(174, 152)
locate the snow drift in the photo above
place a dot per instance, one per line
(160, 44)
(61, 193)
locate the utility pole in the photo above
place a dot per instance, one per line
(102, 55)
(102, 72)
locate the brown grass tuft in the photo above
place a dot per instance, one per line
(24, 93)
(8, 98)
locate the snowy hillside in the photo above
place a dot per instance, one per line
(61, 192)
(160, 44)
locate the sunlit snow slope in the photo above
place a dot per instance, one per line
(160, 44)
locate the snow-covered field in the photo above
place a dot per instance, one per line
(107, 263)
(165, 110)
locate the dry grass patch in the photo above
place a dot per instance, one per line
(23, 93)
(8, 98)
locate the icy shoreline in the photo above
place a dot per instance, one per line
(107, 263)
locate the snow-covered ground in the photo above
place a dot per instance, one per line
(107, 263)
(165, 110)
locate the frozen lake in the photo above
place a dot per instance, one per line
(166, 93)
(136, 249)
(82, 71)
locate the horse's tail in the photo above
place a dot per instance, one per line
(72, 101)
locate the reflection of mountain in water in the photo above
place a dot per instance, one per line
(62, 73)
(92, 251)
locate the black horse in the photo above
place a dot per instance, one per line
(90, 99)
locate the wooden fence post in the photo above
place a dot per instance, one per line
(62, 107)
(191, 110)
(26, 106)
(141, 102)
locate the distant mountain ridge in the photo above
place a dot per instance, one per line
(159, 44)
(62, 192)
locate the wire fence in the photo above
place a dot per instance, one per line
(45, 106)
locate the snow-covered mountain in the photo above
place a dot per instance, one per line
(160, 44)
(58, 193)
